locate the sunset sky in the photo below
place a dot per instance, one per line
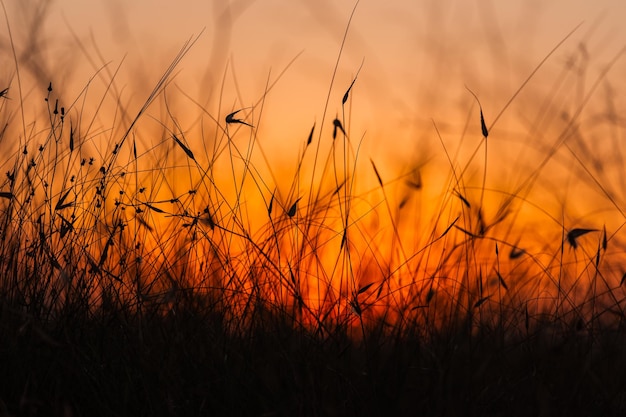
(427, 72)
(417, 58)
(412, 50)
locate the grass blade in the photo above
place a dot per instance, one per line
(184, 148)
(345, 96)
(310, 138)
(574, 234)
(364, 288)
(380, 181)
(292, 210)
(483, 125)
(337, 125)
(60, 204)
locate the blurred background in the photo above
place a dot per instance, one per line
(417, 55)
(416, 59)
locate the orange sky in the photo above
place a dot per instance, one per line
(413, 50)
(418, 57)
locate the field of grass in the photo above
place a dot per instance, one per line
(150, 267)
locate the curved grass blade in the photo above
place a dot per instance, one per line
(293, 208)
(481, 301)
(337, 125)
(184, 148)
(483, 125)
(61, 203)
(345, 96)
(380, 181)
(463, 199)
(364, 288)
(230, 119)
(574, 234)
(271, 205)
(310, 138)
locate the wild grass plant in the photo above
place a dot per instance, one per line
(152, 268)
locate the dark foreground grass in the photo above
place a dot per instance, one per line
(188, 364)
(152, 269)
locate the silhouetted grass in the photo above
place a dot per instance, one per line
(145, 270)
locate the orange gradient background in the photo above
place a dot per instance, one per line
(408, 107)
(417, 55)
